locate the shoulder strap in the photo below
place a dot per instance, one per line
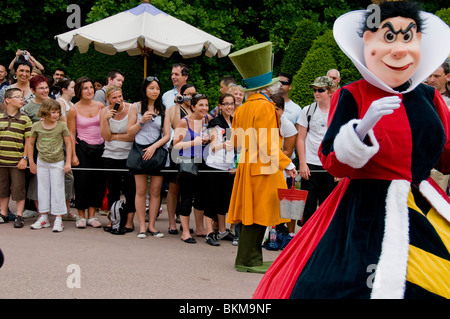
(310, 113)
(163, 114)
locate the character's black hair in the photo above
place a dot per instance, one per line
(390, 9)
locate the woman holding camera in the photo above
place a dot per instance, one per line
(181, 109)
(22, 70)
(190, 141)
(113, 127)
(149, 126)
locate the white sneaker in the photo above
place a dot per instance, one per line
(29, 213)
(80, 223)
(41, 222)
(58, 226)
(93, 222)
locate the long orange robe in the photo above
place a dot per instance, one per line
(259, 174)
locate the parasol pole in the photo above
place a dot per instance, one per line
(144, 52)
(145, 66)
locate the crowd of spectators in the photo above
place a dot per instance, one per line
(96, 129)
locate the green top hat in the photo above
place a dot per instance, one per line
(255, 66)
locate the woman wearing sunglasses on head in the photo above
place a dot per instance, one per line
(190, 142)
(151, 128)
(312, 125)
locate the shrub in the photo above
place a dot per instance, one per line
(324, 54)
(298, 46)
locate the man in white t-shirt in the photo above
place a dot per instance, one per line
(312, 126)
(179, 76)
(291, 109)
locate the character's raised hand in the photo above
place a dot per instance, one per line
(376, 111)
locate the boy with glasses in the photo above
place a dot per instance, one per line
(15, 129)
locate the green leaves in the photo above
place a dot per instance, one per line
(292, 25)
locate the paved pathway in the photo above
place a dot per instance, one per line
(43, 264)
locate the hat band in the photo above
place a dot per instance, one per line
(258, 80)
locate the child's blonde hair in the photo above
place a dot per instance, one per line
(47, 106)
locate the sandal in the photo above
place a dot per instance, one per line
(128, 229)
(189, 240)
(4, 219)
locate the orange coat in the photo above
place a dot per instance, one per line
(259, 174)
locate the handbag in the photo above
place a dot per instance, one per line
(155, 163)
(187, 167)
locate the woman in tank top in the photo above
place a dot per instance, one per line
(176, 113)
(83, 120)
(113, 126)
(146, 127)
(189, 140)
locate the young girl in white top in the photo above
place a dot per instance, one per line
(66, 91)
(66, 88)
(50, 134)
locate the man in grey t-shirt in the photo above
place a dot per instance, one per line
(113, 77)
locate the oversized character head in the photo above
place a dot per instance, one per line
(393, 44)
(392, 48)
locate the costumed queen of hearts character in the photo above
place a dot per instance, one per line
(385, 230)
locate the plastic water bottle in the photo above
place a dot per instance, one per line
(273, 238)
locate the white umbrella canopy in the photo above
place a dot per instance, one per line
(142, 30)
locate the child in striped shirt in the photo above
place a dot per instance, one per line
(15, 129)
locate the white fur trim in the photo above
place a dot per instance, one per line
(435, 199)
(390, 275)
(350, 150)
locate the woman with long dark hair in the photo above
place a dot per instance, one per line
(151, 127)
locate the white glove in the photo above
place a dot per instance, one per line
(377, 109)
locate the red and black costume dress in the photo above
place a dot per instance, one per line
(385, 230)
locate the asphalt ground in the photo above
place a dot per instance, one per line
(93, 264)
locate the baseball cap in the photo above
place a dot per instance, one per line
(322, 82)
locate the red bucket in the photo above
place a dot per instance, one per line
(292, 202)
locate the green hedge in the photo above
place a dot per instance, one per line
(324, 54)
(299, 46)
(444, 14)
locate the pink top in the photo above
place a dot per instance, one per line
(88, 128)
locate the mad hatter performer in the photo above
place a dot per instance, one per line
(385, 230)
(254, 200)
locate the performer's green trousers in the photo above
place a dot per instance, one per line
(249, 252)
